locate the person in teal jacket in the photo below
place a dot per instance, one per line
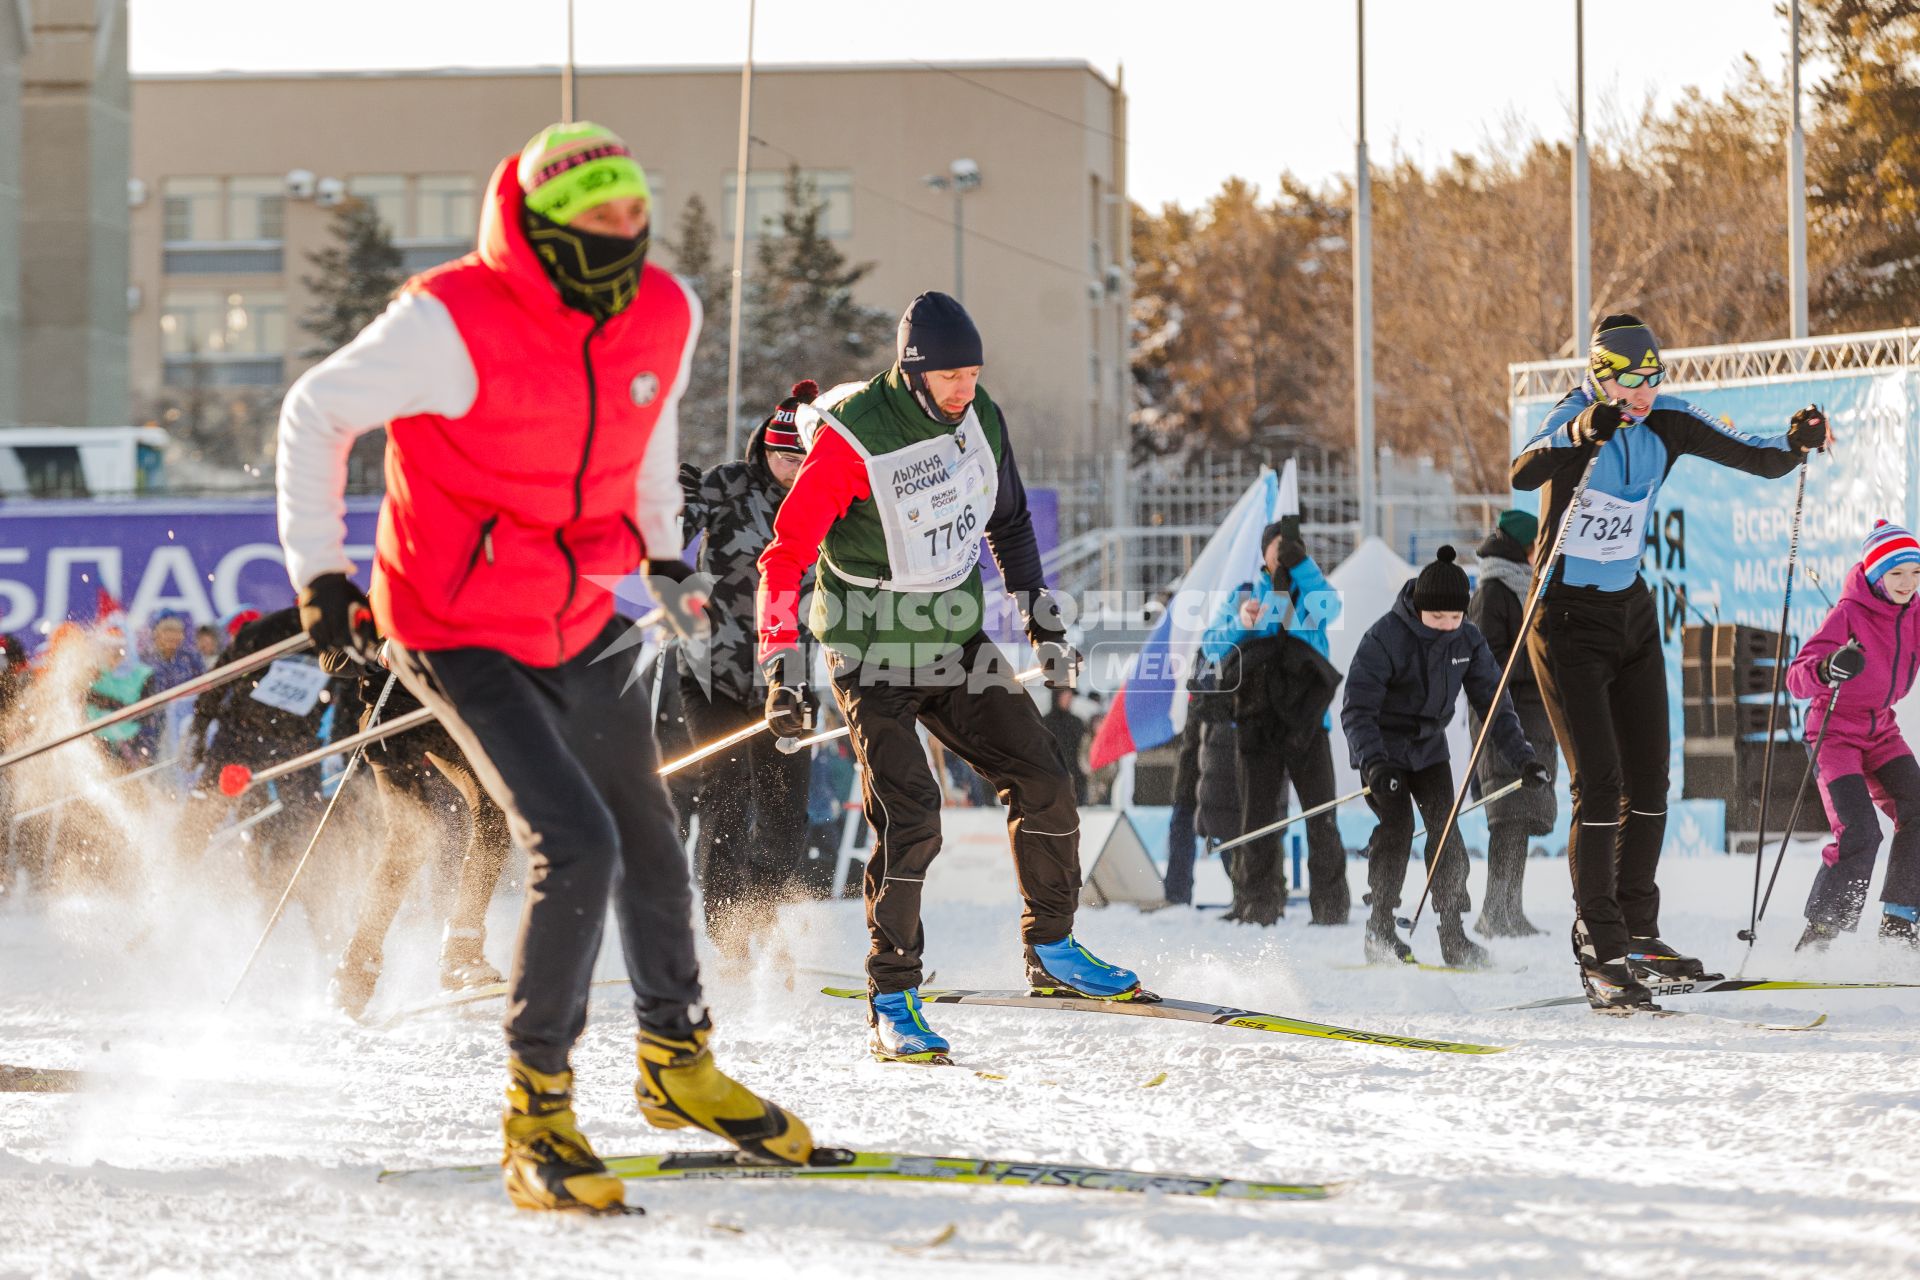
(1291, 596)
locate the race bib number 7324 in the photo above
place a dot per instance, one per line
(1607, 528)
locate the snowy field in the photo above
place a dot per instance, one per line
(248, 1142)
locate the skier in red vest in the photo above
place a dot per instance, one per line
(530, 393)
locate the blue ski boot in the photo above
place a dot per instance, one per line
(1067, 968)
(900, 1031)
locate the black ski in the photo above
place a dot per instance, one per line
(1706, 987)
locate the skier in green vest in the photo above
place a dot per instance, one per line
(904, 476)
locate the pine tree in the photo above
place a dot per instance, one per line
(802, 319)
(703, 407)
(356, 277)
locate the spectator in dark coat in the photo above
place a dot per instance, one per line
(1402, 686)
(1070, 733)
(1499, 602)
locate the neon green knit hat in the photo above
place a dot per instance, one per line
(569, 168)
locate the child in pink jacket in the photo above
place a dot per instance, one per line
(1862, 660)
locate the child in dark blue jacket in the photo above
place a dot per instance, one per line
(1401, 689)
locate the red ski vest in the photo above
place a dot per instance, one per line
(495, 522)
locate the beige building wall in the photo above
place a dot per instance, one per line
(73, 215)
(16, 30)
(1045, 232)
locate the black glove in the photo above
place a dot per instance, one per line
(1534, 775)
(1386, 779)
(792, 709)
(335, 613)
(1601, 422)
(1842, 665)
(1060, 663)
(690, 477)
(1293, 547)
(1808, 429)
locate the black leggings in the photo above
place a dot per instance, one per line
(1259, 872)
(1603, 677)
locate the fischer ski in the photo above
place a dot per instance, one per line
(1149, 1006)
(838, 1164)
(1661, 990)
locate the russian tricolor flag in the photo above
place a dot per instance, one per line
(1150, 706)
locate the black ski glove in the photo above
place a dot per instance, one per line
(1047, 632)
(1808, 429)
(1293, 548)
(334, 612)
(1534, 775)
(1842, 665)
(1386, 779)
(1600, 422)
(693, 507)
(792, 708)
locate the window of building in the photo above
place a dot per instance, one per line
(767, 200)
(208, 323)
(255, 208)
(387, 193)
(192, 209)
(444, 207)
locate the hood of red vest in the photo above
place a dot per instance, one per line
(502, 245)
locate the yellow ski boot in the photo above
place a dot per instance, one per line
(680, 1087)
(547, 1163)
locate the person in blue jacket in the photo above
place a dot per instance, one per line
(1595, 640)
(1402, 687)
(1289, 595)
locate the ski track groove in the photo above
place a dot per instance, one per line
(248, 1143)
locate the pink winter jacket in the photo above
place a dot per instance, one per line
(1889, 636)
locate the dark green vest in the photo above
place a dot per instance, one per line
(897, 628)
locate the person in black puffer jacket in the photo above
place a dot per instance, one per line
(1402, 686)
(1498, 604)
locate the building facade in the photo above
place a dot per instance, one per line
(237, 174)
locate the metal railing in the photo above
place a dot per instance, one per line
(1742, 362)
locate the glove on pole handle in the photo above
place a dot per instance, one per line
(346, 776)
(1272, 827)
(199, 684)
(1773, 700)
(1506, 673)
(791, 745)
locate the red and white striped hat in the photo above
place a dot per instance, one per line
(1885, 548)
(783, 436)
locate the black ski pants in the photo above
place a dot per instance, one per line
(1596, 655)
(1840, 886)
(1181, 840)
(973, 705)
(567, 753)
(753, 815)
(1431, 789)
(1259, 869)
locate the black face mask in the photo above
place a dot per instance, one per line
(596, 274)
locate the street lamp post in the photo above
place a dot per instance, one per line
(961, 177)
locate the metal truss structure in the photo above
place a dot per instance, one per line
(1743, 362)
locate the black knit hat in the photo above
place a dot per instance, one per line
(937, 333)
(1441, 586)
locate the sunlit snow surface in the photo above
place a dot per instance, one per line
(247, 1143)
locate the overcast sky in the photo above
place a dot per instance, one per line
(1216, 87)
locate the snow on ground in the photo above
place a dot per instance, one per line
(247, 1142)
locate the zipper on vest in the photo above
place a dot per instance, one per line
(579, 481)
(484, 547)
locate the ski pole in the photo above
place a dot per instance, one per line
(1481, 803)
(1272, 827)
(1506, 673)
(712, 748)
(1813, 576)
(791, 745)
(1793, 817)
(236, 778)
(199, 684)
(1773, 700)
(346, 776)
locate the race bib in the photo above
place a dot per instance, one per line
(292, 685)
(1606, 528)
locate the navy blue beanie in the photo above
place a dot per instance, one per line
(937, 333)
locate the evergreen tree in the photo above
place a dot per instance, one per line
(703, 407)
(802, 320)
(356, 277)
